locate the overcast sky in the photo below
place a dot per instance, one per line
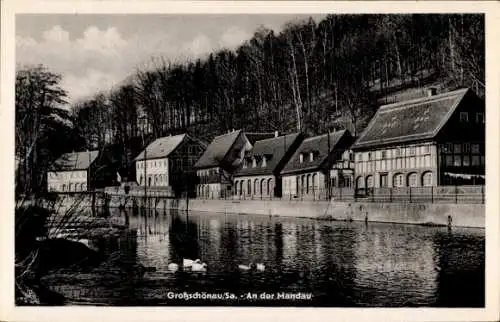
(95, 52)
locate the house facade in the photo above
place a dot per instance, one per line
(72, 172)
(435, 140)
(221, 159)
(259, 175)
(167, 163)
(308, 173)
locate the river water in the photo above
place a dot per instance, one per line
(321, 263)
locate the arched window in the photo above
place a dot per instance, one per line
(255, 186)
(236, 186)
(369, 182)
(140, 180)
(302, 182)
(398, 180)
(427, 179)
(360, 183)
(314, 183)
(270, 187)
(241, 187)
(262, 186)
(412, 180)
(149, 180)
(157, 180)
(249, 187)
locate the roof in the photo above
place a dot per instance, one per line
(217, 150)
(319, 146)
(254, 137)
(75, 161)
(162, 147)
(274, 149)
(412, 120)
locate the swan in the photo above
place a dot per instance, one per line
(173, 267)
(261, 267)
(190, 262)
(199, 267)
(244, 267)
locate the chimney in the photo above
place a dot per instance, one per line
(431, 91)
(276, 134)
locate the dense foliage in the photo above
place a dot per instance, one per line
(312, 77)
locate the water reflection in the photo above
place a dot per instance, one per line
(341, 263)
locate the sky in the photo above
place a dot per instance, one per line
(94, 53)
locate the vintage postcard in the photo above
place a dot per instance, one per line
(237, 160)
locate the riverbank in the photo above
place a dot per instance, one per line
(462, 215)
(438, 214)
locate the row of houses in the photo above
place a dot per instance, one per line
(435, 140)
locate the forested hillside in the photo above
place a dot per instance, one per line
(312, 77)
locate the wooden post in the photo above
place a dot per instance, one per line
(432, 194)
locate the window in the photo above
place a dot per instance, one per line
(412, 150)
(369, 156)
(457, 148)
(449, 160)
(466, 161)
(447, 148)
(384, 155)
(264, 161)
(427, 179)
(398, 180)
(311, 156)
(475, 148)
(358, 156)
(412, 180)
(254, 162)
(398, 152)
(457, 161)
(466, 147)
(245, 163)
(301, 157)
(427, 149)
(475, 160)
(479, 117)
(464, 117)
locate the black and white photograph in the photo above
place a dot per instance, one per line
(333, 160)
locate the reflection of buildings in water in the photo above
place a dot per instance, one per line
(278, 243)
(154, 246)
(183, 237)
(398, 262)
(289, 243)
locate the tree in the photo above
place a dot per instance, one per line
(40, 118)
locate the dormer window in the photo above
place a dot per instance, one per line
(245, 163)
(464, 117)
(254, 162)
(264, 161)
(301, 158)
(311, 156)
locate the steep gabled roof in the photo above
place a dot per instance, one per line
(412, 120)
(162, 147)
(217, 150)
(318, 145)
(274, 149)
(75, 161)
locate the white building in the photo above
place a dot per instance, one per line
(71, 172)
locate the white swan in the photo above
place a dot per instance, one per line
(189, 262)
(244, 267)
(173, 267)
(199, 267)
(261, 267)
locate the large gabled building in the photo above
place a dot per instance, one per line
(434, 140)
(72, 172)
(221, 159)
(308, 174)
(168, 163)
(259, 176)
